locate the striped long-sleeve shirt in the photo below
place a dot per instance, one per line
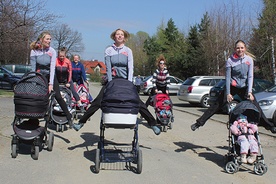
(161, 78)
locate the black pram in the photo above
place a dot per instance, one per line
(31, 100)
(120, 106)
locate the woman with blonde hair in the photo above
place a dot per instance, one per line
(43, 60)
(119, 64)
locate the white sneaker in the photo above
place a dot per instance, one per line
(243, 158)
(252, 158)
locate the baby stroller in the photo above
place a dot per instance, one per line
(120, 106)
(31, 100)
(233, 162)
(85, 98)
(163, 110)
(57, 116)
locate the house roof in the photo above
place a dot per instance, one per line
(90, 66)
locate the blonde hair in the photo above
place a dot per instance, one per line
(246, 51)
(62, 50)
(126, 34)
(160, 58)
(36, 44)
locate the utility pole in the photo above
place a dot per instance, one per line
(273, 59)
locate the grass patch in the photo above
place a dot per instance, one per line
(6, 93)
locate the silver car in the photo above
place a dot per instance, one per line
(267, 101)
(174, 85)
(195, 90)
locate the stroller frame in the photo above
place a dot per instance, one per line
(107, 152)
(37, 141)
(232, 157)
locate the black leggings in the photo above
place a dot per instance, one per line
(60, 100)
(96, 104)
(221, 102)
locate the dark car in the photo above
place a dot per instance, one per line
(219, 89)
(7, 78)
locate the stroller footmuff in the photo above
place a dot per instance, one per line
(120, 106)
(58, 117)
(31, 100)
(163, 110)
(234, 158)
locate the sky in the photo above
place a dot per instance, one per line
(97, 19)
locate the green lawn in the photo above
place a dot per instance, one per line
(6, 93)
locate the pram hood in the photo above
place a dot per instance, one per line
(246, 108)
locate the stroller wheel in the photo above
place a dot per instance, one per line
(50, 141)
(231, 167)
(165, 128)
(35, 152)
(14, 152)
(260, 168)
(97, 161)
(139, 161)
(171, 125)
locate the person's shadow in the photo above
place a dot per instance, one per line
(209, 154)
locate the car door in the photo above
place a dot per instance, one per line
(174, 85)
(4, 82)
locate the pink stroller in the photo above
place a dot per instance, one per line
(85, 98)
(163, 109)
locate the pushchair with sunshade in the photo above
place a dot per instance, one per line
(162, 105)
(248, 109)
(31, 100)
(120, 106)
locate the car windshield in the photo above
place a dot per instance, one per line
(189, 81)
(220, 84)
(272, 89)
(147, 78)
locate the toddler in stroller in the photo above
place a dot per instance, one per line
(85, 98)
(245, 132)
(31, 100)
(244, 139)
(163, 109)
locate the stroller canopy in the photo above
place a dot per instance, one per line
(246, 108)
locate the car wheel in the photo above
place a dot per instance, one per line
(149, 91)
(274, 118)
(204, 101)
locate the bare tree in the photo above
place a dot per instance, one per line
(20, 20)
(64, 36)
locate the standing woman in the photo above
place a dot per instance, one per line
(43, 60)
(64, 73)
(119, 64)
(78, 71)
(239, 78)
(160, 78)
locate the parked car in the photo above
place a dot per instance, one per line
(195, 90)
(174, 85)
(18, 69)
(258, 86)
(7, 78)
(267, 102)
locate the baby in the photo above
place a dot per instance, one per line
(246, 139)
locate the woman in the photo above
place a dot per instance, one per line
(160, 78)
(119, 64)
(43, 60)
(64, 73)
(78, 71)
(239, 81)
